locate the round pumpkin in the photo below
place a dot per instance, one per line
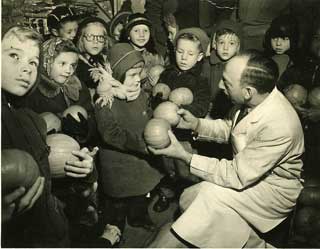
(162, 88)
(168, 111)
(314, 97)
(156, 133)
(18, 169)
(61, 147)
(310, 196)
(181, 96)
(52, 121)
(154, 74)
(73, 111)
(296, 94)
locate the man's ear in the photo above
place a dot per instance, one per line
(249, 92)
(55, 32)
(200, 56)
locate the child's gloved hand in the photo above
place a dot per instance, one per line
(73, 128)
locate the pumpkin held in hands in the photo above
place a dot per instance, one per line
(162, 89)
(61, 147)
(18, 169)
(73, 111)
(156, 133)
(296, 94)
(314, 97)
(168, 111)
(181, 96)
(52, 121)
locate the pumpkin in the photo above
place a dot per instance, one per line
(156, 133)
(296, 94)
(310, 196)
(314, 98)
(304, 219)
(154, 74)
(73, 111)
(168, 111)
(181, 96)
(53, 121)
(163, 89)
(61, 147)
(18, 169)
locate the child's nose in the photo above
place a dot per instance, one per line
(225, 46)
(278, 41)
(26, 68)
(141, 33)
(184, 56)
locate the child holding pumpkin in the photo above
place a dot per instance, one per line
(44, 225)
(126, 166)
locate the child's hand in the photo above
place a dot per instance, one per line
(100, 74)
(82, 167)
(111, 233)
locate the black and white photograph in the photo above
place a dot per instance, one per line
(160, 123)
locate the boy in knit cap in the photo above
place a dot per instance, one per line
(226, 44)
(127, 176)
(62, 22)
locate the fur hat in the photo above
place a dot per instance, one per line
(58, 15)
(197, 32)
(136, 19)
(122, 57)
(228, 25)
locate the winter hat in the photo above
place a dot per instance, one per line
(197, 32)
(91, 19)
(136, 19)
(58, 15)
(228, 25)
(121, 17)
(122, 57)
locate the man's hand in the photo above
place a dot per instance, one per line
(187, 121)
(174, 150)
(82, 167)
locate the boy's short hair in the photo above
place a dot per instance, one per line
(23, 33)
(196, 35)
(59, 16)
(227, 27)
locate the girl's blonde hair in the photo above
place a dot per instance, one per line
(80, 43)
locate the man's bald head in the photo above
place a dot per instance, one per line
(255, 70)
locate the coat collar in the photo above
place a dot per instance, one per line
(259, 111)
(214, 58)
(196, 70)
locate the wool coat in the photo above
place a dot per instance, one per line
(127, 169)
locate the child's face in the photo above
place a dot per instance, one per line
(68, 30)
(227, 46)
(140, 35)
(133, 75)
(63, 67)
(172, 33)
(187, 54)
(94, 39)
(280, 45)
(315, 44)
(20, 61)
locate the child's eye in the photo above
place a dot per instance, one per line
(34, 63)
(14, 56)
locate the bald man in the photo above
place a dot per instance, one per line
(260, 186)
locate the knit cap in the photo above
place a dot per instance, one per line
(122, 57)
(136, 19)
(197, 32)
(91, 19)
(229, 25)
(58, 15)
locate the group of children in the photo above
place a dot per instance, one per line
(106, 68)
